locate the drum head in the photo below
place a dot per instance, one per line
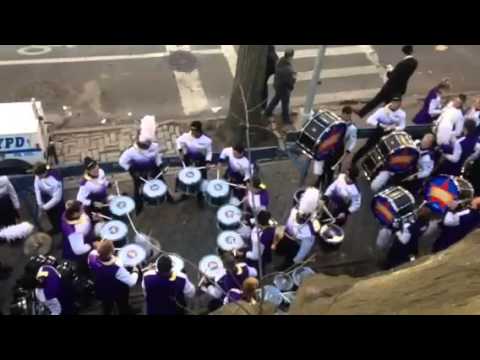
(98, 228)
(230, 241)
(383, 210)
(154, 189)
(122, 205)
(272, 295)
(178, 265)
(440, 192)
(392, 205)
(403, 160)
(132, 255)
(283, 282)
(332, 139)
(114, 231)
(211, 266)
(204, 186)
(190, 176)
(218, 189)
(229, 215)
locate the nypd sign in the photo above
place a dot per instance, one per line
(14, 143)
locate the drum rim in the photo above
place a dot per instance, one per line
(237, 210)
(121, 224)
(217, 181)
(197, 172)
(217, 258)
(146, 190)
(235, 234)
(127, 199)
(295, 274)
(131, 246)
(383, 195)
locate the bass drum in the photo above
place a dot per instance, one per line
(399, 151)
(372, 163)
(471, 172)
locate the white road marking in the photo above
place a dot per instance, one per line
(231, 56)
(337, 97)
(193, 97)
(331, 51)
(37, 50)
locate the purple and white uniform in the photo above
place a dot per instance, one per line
(304, 234)
(93, 189)
(455, 227)
(49, 190)
(138, 160)
(77, 237)
(163, 292)
(195, 149)
(258, 200)
(53, 294)
(228, 281)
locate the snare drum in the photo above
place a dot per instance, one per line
(301, 274)
(442, 190)
(132, 255)
(189, 181)
(373, 163)
(155, 192)
(229, 241)
(211, 266)
(332, 237)
(178, 265)
(399, 151)
(229, 217)
(218, 193)
(121, 206)
(322, 135)
(297, 197)
(115, 231)
(283, 282)
(271, 294)
(150, 245)
(394, 206)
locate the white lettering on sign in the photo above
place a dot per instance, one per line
(13, 143)
(37, 50)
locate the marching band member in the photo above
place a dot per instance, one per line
(112, 281)
(385, 120)
(465, 150)
(48, 187)
(262, 238)
(232, 278)
(433, 104)
(450, 123)
(93, 191)
(405, 246)
(166, 291)
(247, 294)
(196, 149)
(325, 175)
(343, 196)
(78, 234)
(474, 114)
(52, 292)
(9, 203)
(257, 197)
(239, 169)
(301, 230)
(458, 224)
(143, 159)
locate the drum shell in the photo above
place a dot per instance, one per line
(372, 163)
(118, 243)
(396, 144)
(400, 202)
(154, 201)
(188, 189)
(215, 200)
(119, 215)
(231, 225)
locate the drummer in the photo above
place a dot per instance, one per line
(458, 224)
(343, 196)
(165, 290)
(9, 203)
(143, 159)
(247, 294)
(48, 185)
(233, 276)
(112, 281)
(385, 120)
(405, 244)
(474, 114)
(349, 144)
(78, 235)
(262, 237)
(465, 150)
(300, 232)
(52, 291)
(239, 169)
(257, 197)
(93, 191)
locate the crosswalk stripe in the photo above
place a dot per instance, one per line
(338, 73)
(331, 51)
(231, 57)
(335, 97)
(192, 95)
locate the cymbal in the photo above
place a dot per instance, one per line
(38, 244)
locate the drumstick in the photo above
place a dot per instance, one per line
(161, 173)
(183, 164)
(238, 186)
(102, 216)
(201, 168)
(218, 173)
(117, 188)
(144, 180)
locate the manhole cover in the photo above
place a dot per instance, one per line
(182, 61)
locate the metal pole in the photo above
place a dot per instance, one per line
(309, 102)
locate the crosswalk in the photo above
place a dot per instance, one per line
(360, 78)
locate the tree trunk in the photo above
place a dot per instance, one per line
(251, 72)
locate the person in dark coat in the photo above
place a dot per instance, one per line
(272, 60)
(396, 84)
(284, 83)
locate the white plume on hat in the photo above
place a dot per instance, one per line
(309, 201)
(148, 129)
(16, 232)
